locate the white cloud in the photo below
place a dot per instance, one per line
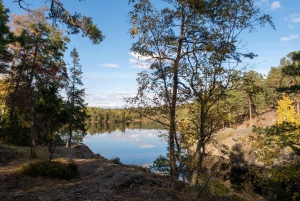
(145, 146)
(275, 5)
(138, 61)
(290, 26)
(108, 65)
(120, 95)
(138, 56)
(295, 17)
(262, 3)
(108, 100)
(91, 78)
(291, 37)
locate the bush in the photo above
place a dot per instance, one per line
(161, 164)
(55, 169)
(116, 160)
(276, 183)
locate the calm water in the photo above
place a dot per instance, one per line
(137, 144)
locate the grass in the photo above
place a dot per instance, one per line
(230, 133)
(245, 137)
(138, 168)
(22, 152)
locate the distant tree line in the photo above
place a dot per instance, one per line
(99, 128)
(101, 115)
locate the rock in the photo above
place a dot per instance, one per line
(83, 147)
(82, 152)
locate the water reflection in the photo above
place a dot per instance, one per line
(134, 143)
(111, 127)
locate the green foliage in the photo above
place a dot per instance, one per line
(116, 160)
(13, 132)
(54, 169)
(4, 40)
(52, 115)
(293, 69)
(101, 115)
(161, 164)
(276, 183)
(76, 109)
(278, 148)
(75, 23)
(189, 44)
(277, 137)
(217, 188)
(36, 63)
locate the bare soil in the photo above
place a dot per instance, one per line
(241, 134)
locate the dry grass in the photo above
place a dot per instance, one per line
(18, 152)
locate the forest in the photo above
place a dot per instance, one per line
(196, 85)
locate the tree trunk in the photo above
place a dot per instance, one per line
(33, 145)
(200, 151)
(172, 130)
(172, 133)
(69, 142)
(179, 156)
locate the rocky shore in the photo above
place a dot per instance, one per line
(100, 179)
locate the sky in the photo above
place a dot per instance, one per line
(110, 69)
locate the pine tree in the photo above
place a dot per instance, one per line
(50, 111)
(77, 109)
(6, 37)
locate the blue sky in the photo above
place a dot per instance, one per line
(110, 70)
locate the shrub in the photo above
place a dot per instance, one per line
(276, 183)
(55, 169)
(116, 160)
(161, 164)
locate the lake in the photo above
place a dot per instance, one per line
(134, 143)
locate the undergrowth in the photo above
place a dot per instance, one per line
(54, 169)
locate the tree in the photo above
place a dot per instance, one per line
(34, 65)
(75, 22)
(292, 70)
(252, 85)
(273, 81)
(77, 110)
(6, 37)
(213, 56)
(51, 114)
(186, 44)
(157, 41)
(278, 149)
